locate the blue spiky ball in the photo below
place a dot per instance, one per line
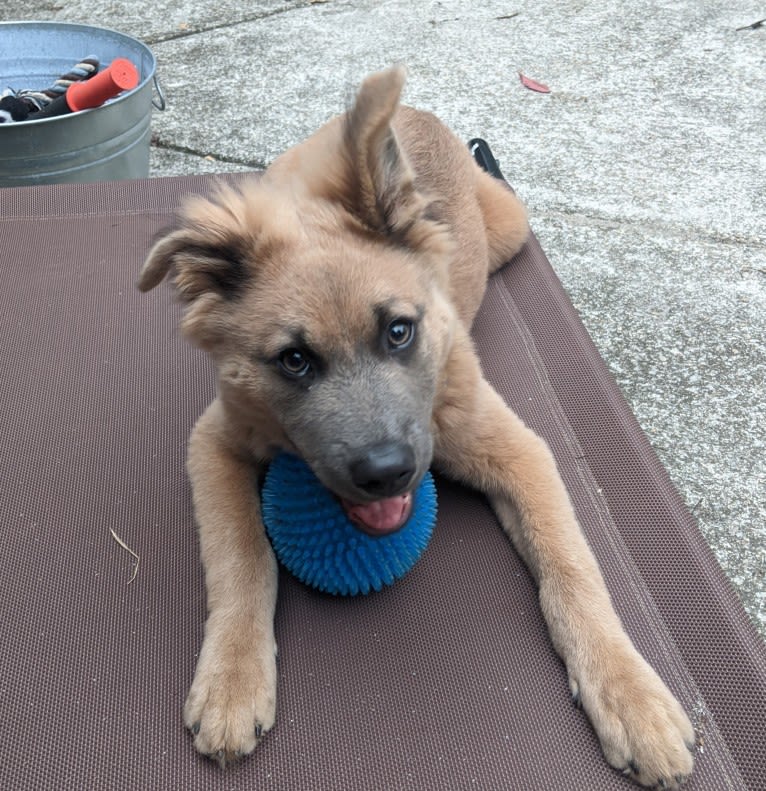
(314, 539)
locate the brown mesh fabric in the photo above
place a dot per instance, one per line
(446, 680)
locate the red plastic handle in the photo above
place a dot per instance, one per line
(120, 76)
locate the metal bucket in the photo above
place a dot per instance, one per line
(102, 144)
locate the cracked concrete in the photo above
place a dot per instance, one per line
(643, 169)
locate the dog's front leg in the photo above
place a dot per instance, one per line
(233, 697)
(642, 729)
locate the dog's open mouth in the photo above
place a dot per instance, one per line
(380, 517)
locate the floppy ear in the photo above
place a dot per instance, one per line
(198, 265)
(383, 191)
(206, 255)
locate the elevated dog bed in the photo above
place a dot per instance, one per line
(447, 680)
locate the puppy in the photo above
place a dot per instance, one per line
(335, 296)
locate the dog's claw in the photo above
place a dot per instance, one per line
(195, 728)
(631, 769)
(258, 731)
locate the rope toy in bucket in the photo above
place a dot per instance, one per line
(317, 542)
(80, 72)
(80, 89)
(19, 105)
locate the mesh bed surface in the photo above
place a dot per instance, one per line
(447, 680)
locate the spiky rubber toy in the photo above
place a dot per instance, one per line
(315, 540)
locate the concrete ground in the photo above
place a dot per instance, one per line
(644, 171)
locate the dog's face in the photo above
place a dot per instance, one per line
(341, 337)
(321, 299)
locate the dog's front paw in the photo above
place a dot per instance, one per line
(232, 701)
(642, 728)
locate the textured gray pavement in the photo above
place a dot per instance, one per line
(644, 171)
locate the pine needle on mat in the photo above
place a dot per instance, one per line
(127, 549)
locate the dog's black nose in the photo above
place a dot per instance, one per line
(385, 470)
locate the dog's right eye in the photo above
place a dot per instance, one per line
(294, 363)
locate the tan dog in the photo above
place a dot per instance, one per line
(344, 282)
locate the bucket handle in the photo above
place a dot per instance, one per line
(158, 102)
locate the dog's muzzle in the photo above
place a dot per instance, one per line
(385, 473)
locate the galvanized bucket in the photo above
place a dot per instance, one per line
(102, 144)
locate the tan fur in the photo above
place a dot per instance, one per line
(380, 210)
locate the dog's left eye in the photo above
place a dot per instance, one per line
(399, 334)
(294, 363)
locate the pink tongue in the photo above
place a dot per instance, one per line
(382, 516)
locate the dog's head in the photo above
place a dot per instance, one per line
(320, 292)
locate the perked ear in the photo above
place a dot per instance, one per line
(206, 255)
(383, 183)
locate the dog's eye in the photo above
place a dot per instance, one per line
(294, 363)
(399, 334)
